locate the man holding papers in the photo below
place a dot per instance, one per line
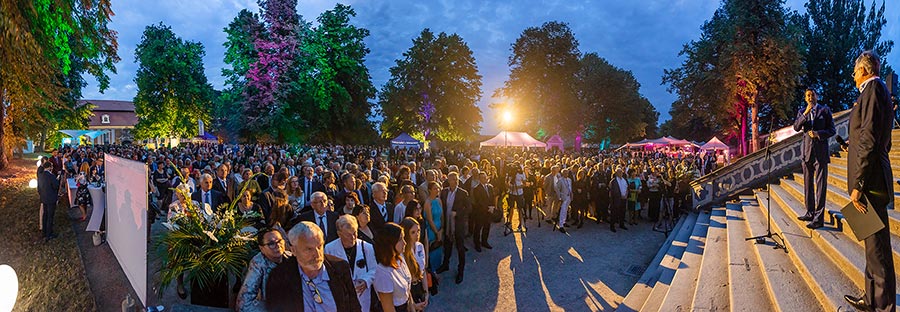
(869, 178)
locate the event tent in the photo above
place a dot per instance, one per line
(555, 142)
(206, 136)
(77, 134)
(714, 144)
(506, 138)
(404, 140)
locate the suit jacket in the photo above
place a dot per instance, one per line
(365, 254)
(284, 289)
(48, 188)
(871, 120)
(378, 220)
(216, 197)
(549, 187)
(263, 181)
(229, 189)
(819, 120)
(315, 186)
(462, 205)
(615, 194)
(482, 198)
(330, 220)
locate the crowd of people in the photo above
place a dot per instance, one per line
(371, 229)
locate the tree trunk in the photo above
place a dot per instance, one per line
(754, 124)
(4, 161)
(42, 146)
(742, 135)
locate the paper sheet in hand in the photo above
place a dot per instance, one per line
(862, 225)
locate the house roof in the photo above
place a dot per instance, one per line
(110, 105)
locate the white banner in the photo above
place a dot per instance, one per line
(127, 184)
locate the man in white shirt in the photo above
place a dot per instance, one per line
(359, 254)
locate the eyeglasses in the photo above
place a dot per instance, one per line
(274, 244)
(316, 296)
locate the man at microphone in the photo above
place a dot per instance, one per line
(817, 126)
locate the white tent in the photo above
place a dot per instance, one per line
(714, 144)
(507, 138)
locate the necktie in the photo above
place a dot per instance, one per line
(208, 200)
(306, 192)
(384, 212)
(322, 225)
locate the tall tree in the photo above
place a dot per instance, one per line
(542, 79)
(838, 31)
(240, 54)
(39, 41)
(433, 90)
(746, 64)
(173, 93)
(339, 89)
(612, 104)
(277, 53)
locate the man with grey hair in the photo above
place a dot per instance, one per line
(310, 280)
(207, 195)
(382, 211)
(322, 216)
(360, 255)
(869, 179)
(422, 191)
(457, 206)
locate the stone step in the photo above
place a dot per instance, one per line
(794, 277)
(841, 171)
(684, 281)
(670, 263)
(842, 161)
(894, 154)
(746, 289)
(712, 284)
(839, 197)
(842, 243)
(636, 297)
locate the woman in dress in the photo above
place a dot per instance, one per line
(580, 197)
(414, 254)
(433, 213)
(82, 195)
(246, 207)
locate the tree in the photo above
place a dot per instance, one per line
(746, 64)
(240, 55)
(612, 105)
(542, 81)
(433, 91)
(267, 118)
(39, 41)
(173, 93)
(837, 32)
(338, 89)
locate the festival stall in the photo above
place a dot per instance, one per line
(517, 139)
(556, 142)
(405, 141)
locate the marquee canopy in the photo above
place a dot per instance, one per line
(555, 142)
(507, 138)
(714, 144)
(404, 140)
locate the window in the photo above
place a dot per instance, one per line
(104, 119)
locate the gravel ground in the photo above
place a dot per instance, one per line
(544, 270)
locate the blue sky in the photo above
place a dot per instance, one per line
(641, 36)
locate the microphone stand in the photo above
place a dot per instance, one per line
(762, 238)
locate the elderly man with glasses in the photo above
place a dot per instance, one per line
(310, 280)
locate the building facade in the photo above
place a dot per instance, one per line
(117, 118)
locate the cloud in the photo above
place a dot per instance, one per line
(641, 36)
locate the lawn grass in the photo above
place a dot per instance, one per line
(51, 274)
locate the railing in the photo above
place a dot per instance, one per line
(750, 171)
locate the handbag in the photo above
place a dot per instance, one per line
(432, 283)
(417, 290)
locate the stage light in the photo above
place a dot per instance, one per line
(9, 288)
(507, 117)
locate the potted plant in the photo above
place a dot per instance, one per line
(207, 246)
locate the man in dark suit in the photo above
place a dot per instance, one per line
(321, 216)
(310, 273)
(348, 180)
(869, 178)
(381, 210)
(618, 194)
(48, 189)
(207, 195)
(816, 126)
(457, 206)
(265, 179)
(268, 199)
(482, 207)
(309, 184)
(224, 182)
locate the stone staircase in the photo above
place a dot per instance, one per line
(707, 265)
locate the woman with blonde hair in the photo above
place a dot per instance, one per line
(414, 254)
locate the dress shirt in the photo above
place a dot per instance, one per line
(322, 222)
(399, 212)
(309, 292)
(383, 210)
